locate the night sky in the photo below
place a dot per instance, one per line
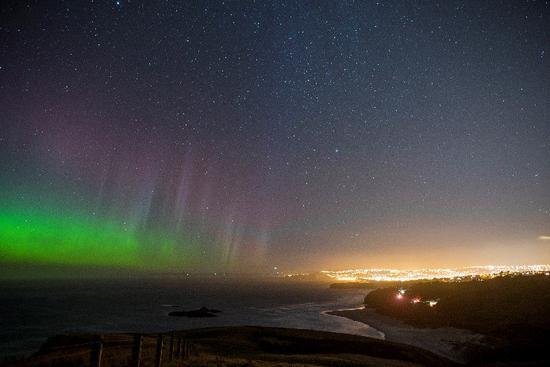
(239, 136)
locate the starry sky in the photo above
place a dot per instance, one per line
(241, 136)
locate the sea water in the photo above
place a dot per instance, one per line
(32, 311)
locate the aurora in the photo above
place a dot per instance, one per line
(231, 137)
(30, 235)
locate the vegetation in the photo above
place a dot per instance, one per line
(236, 346)
(513, 311)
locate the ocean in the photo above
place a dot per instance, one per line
(32, 311)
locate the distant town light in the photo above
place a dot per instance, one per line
(449, 274)
(399, 296)
(432, 303)
(416, 300)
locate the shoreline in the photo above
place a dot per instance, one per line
(447, 342)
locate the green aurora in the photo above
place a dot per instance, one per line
(37, 236)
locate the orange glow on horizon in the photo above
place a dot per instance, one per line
(403, 275)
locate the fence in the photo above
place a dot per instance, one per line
(140, 350)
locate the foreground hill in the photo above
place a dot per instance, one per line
(229, 346)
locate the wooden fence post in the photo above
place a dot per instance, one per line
(189, 349)
(171, 355)
(160, 345)
(99, 354)
(178, 353)
(138, 345)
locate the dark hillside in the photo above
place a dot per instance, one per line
(513, 311)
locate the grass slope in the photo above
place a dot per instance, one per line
(239, 346)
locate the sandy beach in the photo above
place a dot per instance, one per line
(447, 342)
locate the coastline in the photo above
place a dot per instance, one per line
(447, 342)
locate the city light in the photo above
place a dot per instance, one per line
(483, 272)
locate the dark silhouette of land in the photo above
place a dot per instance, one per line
(511, 312)
(201, 312)
(229, 346)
